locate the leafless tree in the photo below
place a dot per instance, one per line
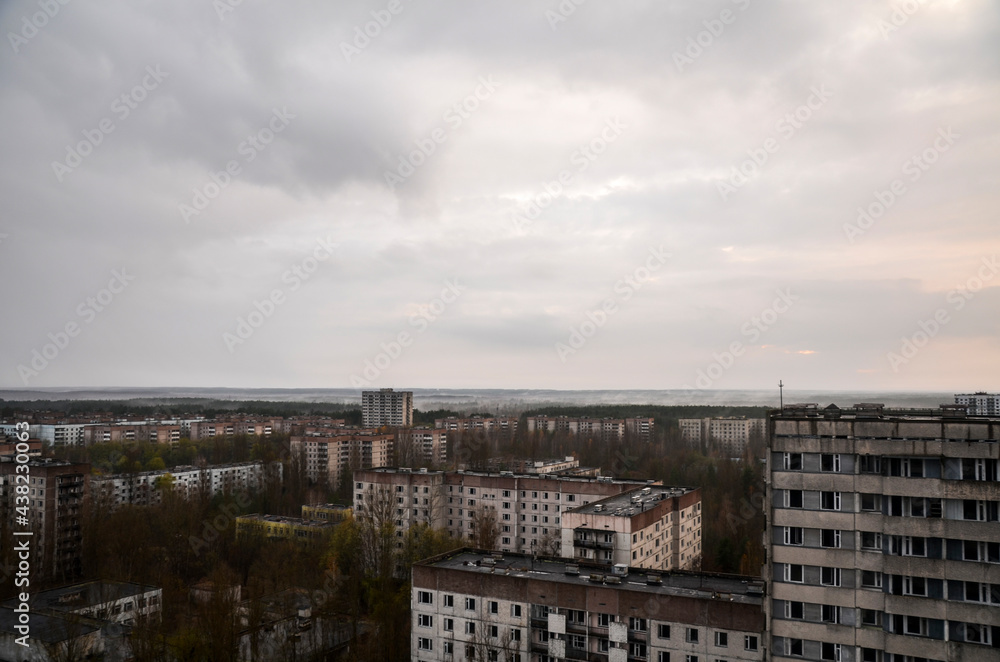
(485, 526)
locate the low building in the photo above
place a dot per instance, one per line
(277, 526)
(652, 527)
(115, 602)
(471, 604)
(327, 512)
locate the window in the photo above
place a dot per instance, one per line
(830, 500)
(425, 644)
(871, 579)
(795, 647)
(870, 464)
(750, 642)
(830, 462)
(663, 657)
(871, 540)
(515, 611)
(871, 502)
(515, 634)
(792, 461)
(637, 624)
(871, 618)
(914, 586)
(470, 604)
(603, 620)
(831, 614)
(425, 598)
(793, 535)
(793, 573)
(721, 639)
(977, 634)
(636, 649)
(449, 625)
(494, 631)
(795, 610)
(470, 627)
(448, 648)
(830, 652)
(690, 658)
(494, 607)
(692, 635)
(793, 498)
(830, 537)
(425, 620)
(449, 600)
(830, 576)
(663, 631)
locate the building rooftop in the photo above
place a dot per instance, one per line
(292, 521)
(511, 474)
(877, 411)
(632, 502)
(48, 628)
(734, 588)
(78, 596)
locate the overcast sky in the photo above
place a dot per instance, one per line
(532, 194)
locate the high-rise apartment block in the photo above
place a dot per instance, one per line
(640, 429)
(730, 434)
(883, 542)
(327, 458)
(542, 514)
(387, 407)
(980, 403)
(57, 491)
(653, 527)
(471, 605)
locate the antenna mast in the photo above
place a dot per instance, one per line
(781, 394)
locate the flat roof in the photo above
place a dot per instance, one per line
(623, 505)
(673, 583)
(87, 594)
(867, 411)
(49, 628)
(509, 474)
(281, 519)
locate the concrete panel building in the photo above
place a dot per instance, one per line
(387, 407)
(883, 542)
(473, 605)
(327, 458)
(980, 403)
(652, 527)
(729, 434)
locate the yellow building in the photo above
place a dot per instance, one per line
(276, 526)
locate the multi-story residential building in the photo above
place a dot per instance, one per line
(503, 424)
(730, 434)
(602, 428)
(62, 434)
(528, 508)
(146, 487)
(422, 446)
(652, 527)
(387, 407)
(57, 493)
(124, 432)
(980, 403)
(328, 457)
(471, 605)
(311, 531)
(883, 542)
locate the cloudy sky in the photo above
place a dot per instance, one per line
(580, 195)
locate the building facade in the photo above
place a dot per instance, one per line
(422, 446)
(729, 434)
(883, 542)
(146, 488)
(387, 407)
(328, 458)
(528, 508)
(980, 403)
(600, 428)
(57, 491)
(470, 605)
(652, 527)
(503, 424)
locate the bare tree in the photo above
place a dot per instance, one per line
(551, 543)
(377, 530)
(485, 526)
(487, 647)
